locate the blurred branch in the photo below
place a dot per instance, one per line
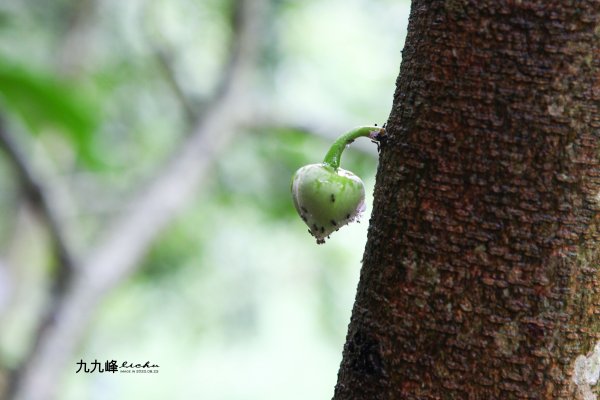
(126, 240)
(37, 195)
(165, 65)
(155, 206)
(72, 55)
(6, 286)
(163, 55)
(265, 117)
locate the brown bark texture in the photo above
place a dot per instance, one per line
(480, 277)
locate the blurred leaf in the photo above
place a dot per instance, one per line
(176, 247)
(5, 19)
(42, 101)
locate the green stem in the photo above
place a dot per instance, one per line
(333, 156)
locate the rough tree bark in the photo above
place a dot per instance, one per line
(480, 277)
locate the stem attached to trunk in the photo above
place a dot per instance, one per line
(333, 156)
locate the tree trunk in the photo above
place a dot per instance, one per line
(481, 274)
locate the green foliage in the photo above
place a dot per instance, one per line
(5, 20)
(44, 102)
(176, 247)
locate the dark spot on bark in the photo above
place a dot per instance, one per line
(332, 198)
(365, 354)
(535, 331)
(322, 229)
(347, 216)
(400, 271)
(304, 209)
(333, 223)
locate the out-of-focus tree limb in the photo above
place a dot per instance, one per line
(126, 240)
(264, 117)
(5, 286)
(37, 195)
(163, 55)
(162, 58)
(72, 55)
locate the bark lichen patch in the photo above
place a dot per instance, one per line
(586, 373)
(507, 339)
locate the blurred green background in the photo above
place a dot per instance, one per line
(233, 299)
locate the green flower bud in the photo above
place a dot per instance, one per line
(327, 198)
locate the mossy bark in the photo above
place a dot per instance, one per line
(480, 278)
